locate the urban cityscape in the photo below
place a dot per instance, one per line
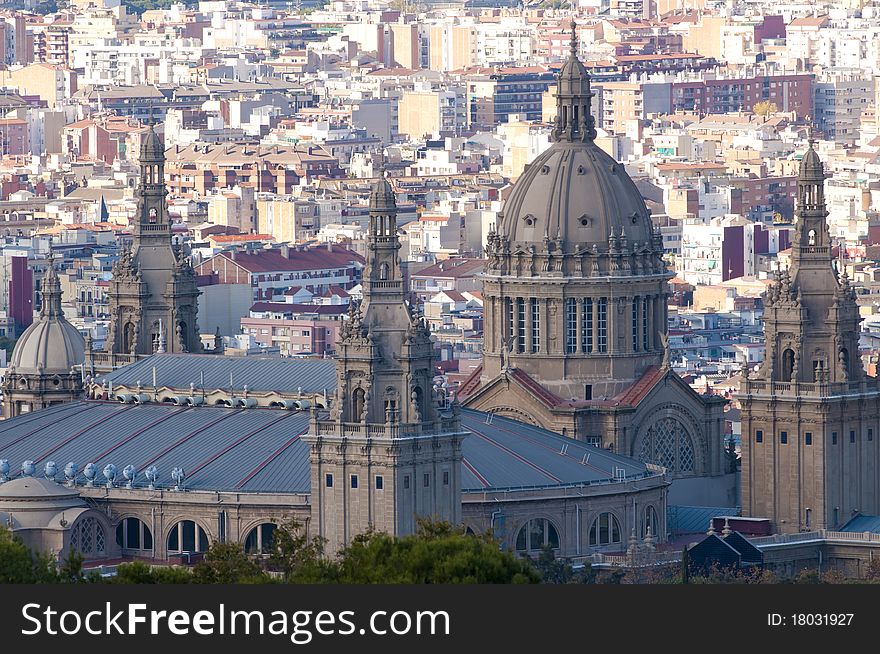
(587, 290)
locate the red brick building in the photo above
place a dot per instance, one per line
(271, 272)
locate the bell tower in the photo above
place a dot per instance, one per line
(153, 294)
(391, 449)
(810, 414)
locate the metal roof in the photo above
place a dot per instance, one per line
(695, 519)
(862, 523)
(259, 374)
(260, 450)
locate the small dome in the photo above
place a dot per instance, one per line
(811, 165)
(51, 344)
(34, 488)
(577, 192)
(382, 196)
(152, 148)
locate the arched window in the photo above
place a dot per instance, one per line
(787, 364)
(357, 404)
(87, 538)
(605, 530)
(383, 271)
(134, 534)
(187, 536)
(151, 216)
(812, 237)
(535, 534)
(260, 539)
(669, 444)
(650, 520)
(844, 360)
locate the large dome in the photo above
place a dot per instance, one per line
(576, 192)
(51, 344)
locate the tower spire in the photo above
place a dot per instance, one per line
(51, 293)
(574, 120)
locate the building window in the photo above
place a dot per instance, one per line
(380, 482)
(852, 436)
(535, 534)
(446, 478)
(602, 338)
(808, 518)
(426, 480)
(187, 536)
(605, 530)
(571, 325)
(87, 538)
(354, 481)
(834, 438)
(783, 437)
(645, 340)
(870, 434)
(635, 324)
(133, 534)
(328, 480)
(808, 438)
(406, 482)
(521, 324)
(587, 325)
(536, 325)
(260, 539)
(511, 329)
(668, 443)
(588, 391)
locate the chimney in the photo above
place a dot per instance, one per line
(329, 246)
(234, 254)
(285, 251)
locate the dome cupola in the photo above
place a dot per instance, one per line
(51, 345)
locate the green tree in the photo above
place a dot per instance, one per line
(227, 563)
(561, 571)
(299, 558)
(438, 553)
(18, 565)
(138, 572)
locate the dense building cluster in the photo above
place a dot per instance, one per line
(586, 277)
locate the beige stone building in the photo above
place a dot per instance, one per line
(810, 414)
(575, 300)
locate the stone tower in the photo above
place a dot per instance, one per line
(153, 294)
(810, 415)
(575, 304)
(391, 449)
(44, 366)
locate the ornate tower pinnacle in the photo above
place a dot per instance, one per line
(153, 290)
(390, 440)
(810, 413)
(574, 120)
